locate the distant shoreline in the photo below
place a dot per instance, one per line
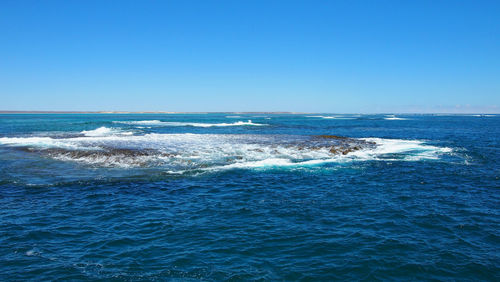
(268, 113)
(138, 112)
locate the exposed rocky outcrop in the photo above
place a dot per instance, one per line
(331, 137)
(298, 147)
(342, 145)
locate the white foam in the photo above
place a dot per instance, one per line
(261, 163)
(393, 117)
(141, 122)
(105, 131)
(325, 117)
(120, 161)
(39, 142)
(331, 117)
(483, 115)
(219, 151)
(195, 124)
(275, 163)
(410, 149)
(32, 252)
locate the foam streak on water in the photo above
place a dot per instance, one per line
(105, 131)
(195, 124)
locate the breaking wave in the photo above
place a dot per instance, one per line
(195, 124)
(105, 131)
(331, 117)
(187, 152)
(411, 150)
(393, 117)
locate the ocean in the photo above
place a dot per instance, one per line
(141, 197)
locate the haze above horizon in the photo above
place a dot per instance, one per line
(250, 56)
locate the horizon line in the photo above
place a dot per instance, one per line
(236, 112)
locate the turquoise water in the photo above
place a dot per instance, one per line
(249, 197)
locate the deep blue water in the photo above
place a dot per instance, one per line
(219, 197)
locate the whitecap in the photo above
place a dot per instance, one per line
(105, 131)
(141, 122)
(195, 124)
(275, 163)
(32, 252)
(393, 117)
(325, 117)
(410, 149)
(40, 142)
(330, 117)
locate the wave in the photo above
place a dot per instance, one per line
(141, 122)
(408, 149)
(325, 117)
(41, 143)
(274, 163)
(105, 131)
(195, 124)
(393, 117)
(483, 115)
(465, 115)
(330, 117)
(187, 152)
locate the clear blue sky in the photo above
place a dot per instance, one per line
(309, 56)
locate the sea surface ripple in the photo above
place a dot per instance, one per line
(249, 197)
